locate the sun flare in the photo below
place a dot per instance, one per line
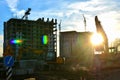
(96, 39)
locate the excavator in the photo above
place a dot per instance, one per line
(107, 59)
(101, 31)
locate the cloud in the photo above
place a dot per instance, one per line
(12, 5)
(92, 5)
(19, 13)
(107, 11)
(110, 22)
(92, 8)
(13, 8)
(71, 13)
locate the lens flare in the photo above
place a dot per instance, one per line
(45, 39)
(97, 39)
(16, 41)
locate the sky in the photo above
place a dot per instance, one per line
(69, 12)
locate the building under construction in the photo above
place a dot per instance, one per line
(37, 36)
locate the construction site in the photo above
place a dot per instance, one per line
(33, 46)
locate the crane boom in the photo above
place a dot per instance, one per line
(26, 14)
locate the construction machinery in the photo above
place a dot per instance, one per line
(101, 31)
(26, 14)
(107, 60)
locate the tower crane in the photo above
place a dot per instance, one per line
(84, 21)
(26, 14)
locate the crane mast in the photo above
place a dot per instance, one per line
(84, 21)
(26, 14)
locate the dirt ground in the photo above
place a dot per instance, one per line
(113, 74)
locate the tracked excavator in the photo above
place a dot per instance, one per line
(107, 60)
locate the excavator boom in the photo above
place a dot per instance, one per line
(100, 30)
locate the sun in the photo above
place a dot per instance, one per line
(96, 39)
